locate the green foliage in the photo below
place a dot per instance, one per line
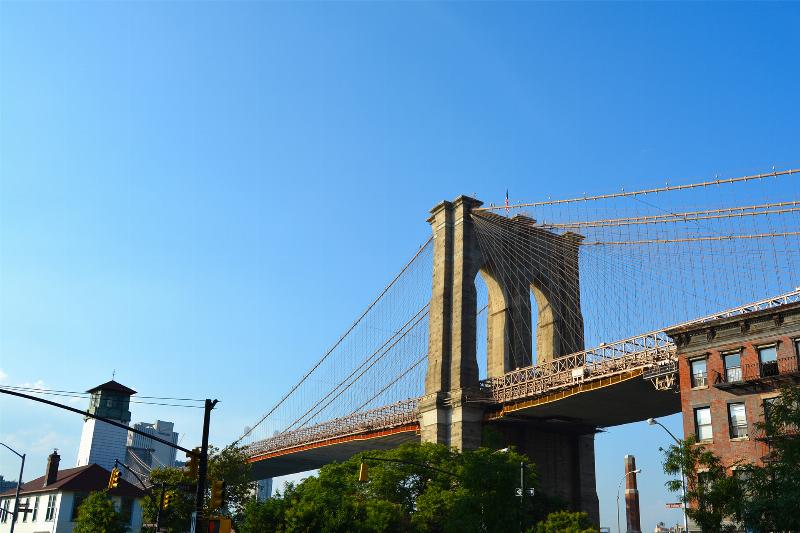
(565, 522)
(228, 464)
(178, 516)
(97, 515)
(715, 495)
(425, 488)
(773, 490)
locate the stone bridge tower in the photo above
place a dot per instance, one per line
(452, 410)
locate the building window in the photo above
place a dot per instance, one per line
(737, 420)
(77, 500)
(702, 423)
(4, 518)
(35, 509)
(699, 373)
(768, 360)
(733, 366)
(126, 510)
(25, 505)
(51, 508)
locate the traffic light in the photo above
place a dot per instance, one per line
(362, 473)
(167, 500)
(217, 494)
(113, 481)
(192, 464)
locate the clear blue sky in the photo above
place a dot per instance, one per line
(202, 196)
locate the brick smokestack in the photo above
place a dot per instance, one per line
(631, 496)
(51, 475)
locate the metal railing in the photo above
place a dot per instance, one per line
(388, 416)
(603, 361)
(780, 366)
(645, 352)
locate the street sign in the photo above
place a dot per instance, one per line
(677, 505)
(518, 491)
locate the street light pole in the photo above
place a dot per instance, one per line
(619, 485)
(654, 422)
(19, 485)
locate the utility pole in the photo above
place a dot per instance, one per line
(19, 485)
(202, 470)
(160, 505)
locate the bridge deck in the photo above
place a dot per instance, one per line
(600, 403)
(315, 455)
(597, 403)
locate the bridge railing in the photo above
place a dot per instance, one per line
(385, 417)
(647, 351)
(602, 361)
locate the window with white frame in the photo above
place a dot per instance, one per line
(26, 505)
(699, 372)
(702, 423)
(4, 518)
(737, 420)
(35, 509)
(50, 513)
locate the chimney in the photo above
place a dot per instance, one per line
(631, 496)
(51, 475)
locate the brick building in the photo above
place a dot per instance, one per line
(730, 369)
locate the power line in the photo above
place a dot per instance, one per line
(71, 394)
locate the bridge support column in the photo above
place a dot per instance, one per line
(564, 458)
(452, 377)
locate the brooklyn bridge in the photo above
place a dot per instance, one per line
(539, 324)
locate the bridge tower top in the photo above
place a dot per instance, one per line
(515, 258)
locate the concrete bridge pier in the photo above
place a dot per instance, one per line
(564, 459)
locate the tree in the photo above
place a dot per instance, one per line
(713, 495)
(97, 515)
(415, 487)
(229, 464)
(773, 490)
(565, 522)
(177, 517)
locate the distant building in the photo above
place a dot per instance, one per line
(103, 443)
(54, 498)
(144, 453)
(264, 489)
(730, 370)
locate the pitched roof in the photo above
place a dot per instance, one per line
(87, 478)
(113, 386)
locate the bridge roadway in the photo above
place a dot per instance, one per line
(612, 384)
(591, 388)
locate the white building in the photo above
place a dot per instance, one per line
(103, 443)
(159, 454)
(53, 499)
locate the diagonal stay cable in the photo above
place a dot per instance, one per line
(402, 332)
(336, 344)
